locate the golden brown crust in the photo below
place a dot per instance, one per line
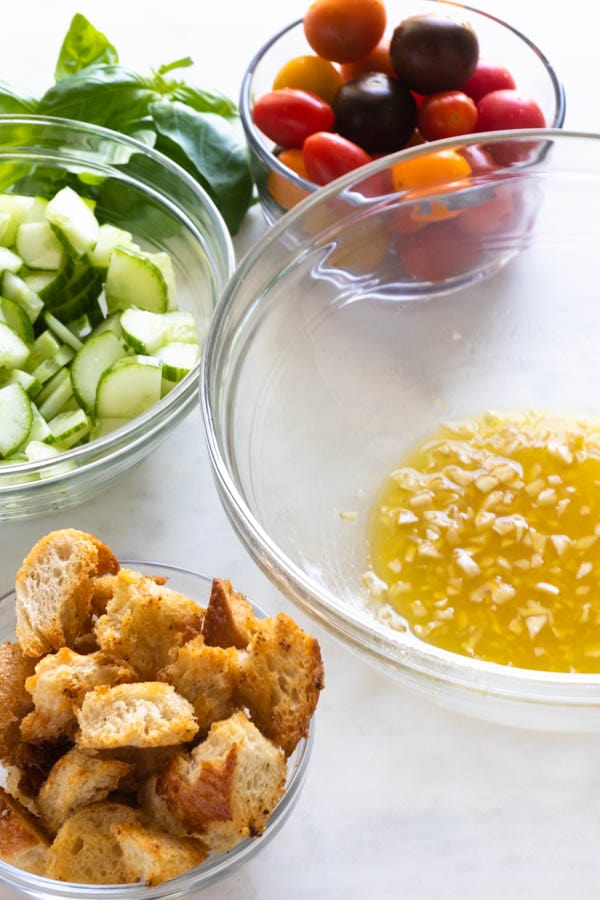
(229, 620)
(15, 701)
(153, 856)
(22, 842)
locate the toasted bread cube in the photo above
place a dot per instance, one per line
(145, 623)
(207, 677)
(15, 701)
(154, 856)
(144, 714)
(22, 842)
(280, 678)
(85, 849)
(58, 687)
(229, 620)
(226, 788)
(53, 589)
(76, 780)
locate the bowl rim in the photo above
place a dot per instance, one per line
(354, 625)
(214, 867)
(253, 134)
(88, 457)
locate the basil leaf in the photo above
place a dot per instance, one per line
(112, 96)
(204, 101)
(83, 46)
(212, 150)
(12, 103)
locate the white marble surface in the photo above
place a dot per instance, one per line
(402, 798)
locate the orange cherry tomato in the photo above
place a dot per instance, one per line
(429, 172)
(378, 60)
(310, 73)
(280, 188)
(344, 30)
(446, 114)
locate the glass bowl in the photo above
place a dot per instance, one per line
(328, 360)
(217, 865)
(499, 42)
(145, 193)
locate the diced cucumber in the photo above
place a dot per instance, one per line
(19, 376)
(56, 399)
(106, 426)
(91, 362)
(36, 451)
(177, 359)
(134, 280)
(38, 246)
(83, 303)
(81, 327)
(37, 210)
(14, 288)
(4, 226)
(61, 331)
(74, 221)
(15, 418)
(144, 331)
(13, 350)
(51, 385)
(17, 319)
(181, 327)
(44, 347)
(49, 367)
(164, 263)
(111, 323)
(39, 426)
(68, 428)
(9, 261)
(39, 281)
(16, 206)
(130, 387)
(109, 237)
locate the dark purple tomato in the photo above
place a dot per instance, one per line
(375, 112)
(432, 53)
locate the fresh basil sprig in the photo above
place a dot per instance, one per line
(198, 129)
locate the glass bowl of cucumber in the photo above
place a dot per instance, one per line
(112, 260)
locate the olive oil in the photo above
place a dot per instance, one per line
(487, 540)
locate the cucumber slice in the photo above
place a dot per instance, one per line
(144, 331)
(14, 288)
(16, 206)
(13, 350)
(68, 428)
(17, 319)
(39, 426)
(19, 376)
(164, 263)
(81, 327)
(111, 323)
(44, 347)
(74, 221)
(61, 331)
(129, 388)
(38, 246)
(15, 418)
(109, 237)
(83, 303)
(91, 362)
(9, 261)
(37, 210)
(50, 386)
(177, 359)
(36, 451)
(49, 367)
(134, 280)
(106, 426)
(181, 327)
(4, 225)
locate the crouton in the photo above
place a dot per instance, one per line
(103, 587)
(153, 856)
(144, 714)
(14, 784)
(229, 618)
(145, 623)
(58, 686)
(53, 589)
(279, 680)
(225, 789)
(76, 780)
(207, 677)
(85, 849)
(22, 842)
(156, 812)
(15, 701)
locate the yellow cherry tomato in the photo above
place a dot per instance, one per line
(280, 188)
(310, 73)
(440, 167)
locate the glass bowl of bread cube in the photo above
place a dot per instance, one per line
(112, 260)
(155, 726)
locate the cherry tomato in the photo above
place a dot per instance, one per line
(327, 156)
(288, 116)
(508, 109)
(344, 30)
(491, 212)
(310, 73)
(280, 188)
(441, 167)
(375, 112)
(486, 78)
(378, 60)
(479, 158)
(438, 252)
(433, 53)
(446, 114)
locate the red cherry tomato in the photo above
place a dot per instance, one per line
(508, 109)
(327, 156)
(344, 30)
(288, 116)
(479, 158)
(486, 78)
(438, 251)
(446, 114)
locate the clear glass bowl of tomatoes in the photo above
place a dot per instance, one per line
(316, 103)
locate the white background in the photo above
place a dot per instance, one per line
(402, 799)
